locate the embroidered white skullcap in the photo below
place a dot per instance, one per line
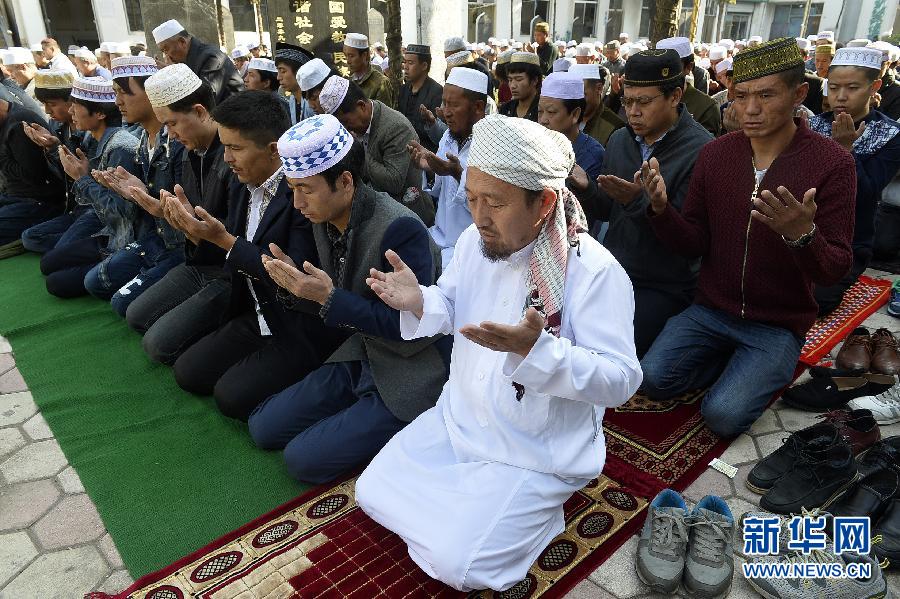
(166, 30)
(682, 45)
(521, 152)
(703, 63)
(728, 43)
(561, 65)
(585, 71)
(53, 79)
(170, 84)
(803, 43)
(623, 34)
(240, 52)
(93, 89)
(870, 58)
(859, 43)
(470, 46)
(133, 66)
(454, 44)
(560, 43)
(492, 41)
(725, 65)
(458, 58)
(97, 52)
(504, 43)
(85, 54)
(812, 37)
(37, 48)
(526, 57)
(517, 46)
(313, 145)
(263, 64)
(104, 47)
(882, 46)
(469, 79)
(570, 53)
(333, 93)
(571, 44)
(825, 35)
(755, 38)
(72, 49)
(717, 52)
(253, 45)
(378, 46)
(584, 50)
(356, 40)
(562, 86)
(598, 45)
(312, 74)
(121, 48)
(19, 56)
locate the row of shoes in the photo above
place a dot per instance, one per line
(864, 352)
(833, 388)
(693, 549)
(814, 466)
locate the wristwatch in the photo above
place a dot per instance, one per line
(802, 241)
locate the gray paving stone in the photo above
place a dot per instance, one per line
(795, 420)
(70, 481)
(59, 575)
(120, 580)
(739, 506)
(617, 574)
(108, 547)
(12, 381)
(740, 588)
(37, 428)
(7, 362)
(11, 439)
(23, 504)
(16, 552)
(766, 444)
(741, 450)
(740, 484)
(33, 462)
(16, 408)
(711, 482)
(890, 430)
(588, 590)
(5, 347)
(72, 521)
(766, 423)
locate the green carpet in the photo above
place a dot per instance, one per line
(167, 472)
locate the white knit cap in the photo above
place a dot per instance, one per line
(72, 49)
(172, 83)
(133, 66)
(826, 35)
(585, 71)
(166, 30)
(263, 64)
(561, 65)
(570, 53)
(333, 93)
(560, 43)
(240, 52)
(37, 48)
(454, 44)
(356, 40)
(93, 89)
(458, 58)
(521, 152)
(253, 45)
(562, 86)
(517, 45)
(584, 50)
(803, 43)
(728, 43)
(312, 74)
(571, 44)
(313, 145)
(18, 56)
(469, 79)
(682, 45)
(724, 65)
(85, 54)
(717, 52)
(870, 58)
(623, 34)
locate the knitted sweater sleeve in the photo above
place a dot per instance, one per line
(686, 232)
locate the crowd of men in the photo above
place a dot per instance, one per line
(453, 281)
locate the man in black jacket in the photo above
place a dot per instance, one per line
(208, 62)
(419, 90)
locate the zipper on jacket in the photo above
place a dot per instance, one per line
(747, 241)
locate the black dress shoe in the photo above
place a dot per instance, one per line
(870, 496)
(883, 454)
(822, 393)
(772, 467)
(886, 536)
(820, 474)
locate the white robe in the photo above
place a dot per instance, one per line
(475, 486)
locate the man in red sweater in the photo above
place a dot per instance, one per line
(770, 211)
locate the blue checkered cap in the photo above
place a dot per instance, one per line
(313, 145)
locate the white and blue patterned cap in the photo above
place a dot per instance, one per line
(313, 145)
(93, 89)
(333, 93)
(133, 66)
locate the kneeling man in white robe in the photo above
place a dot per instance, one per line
(542, 318)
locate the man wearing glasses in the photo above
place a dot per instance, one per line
(658, 127)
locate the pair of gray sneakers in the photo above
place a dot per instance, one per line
(693, 548)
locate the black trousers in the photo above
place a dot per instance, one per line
(67, 265)
(652, 309)
(241, 368)
(831, 297)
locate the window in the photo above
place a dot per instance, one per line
(788, 19)
(133, 15)
(709, 20)
(684, 18)
(614, 20)
(585, 21)
(530, 10)
(736, 26)
(644, 28)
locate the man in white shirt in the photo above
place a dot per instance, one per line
(58, 60)
(475, 486)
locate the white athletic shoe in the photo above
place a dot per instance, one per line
(885, 406)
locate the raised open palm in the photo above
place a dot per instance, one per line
(398, 289)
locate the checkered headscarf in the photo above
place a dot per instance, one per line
(313, 145)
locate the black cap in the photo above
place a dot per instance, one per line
(285, 51)
(419, 49)
(653, 67)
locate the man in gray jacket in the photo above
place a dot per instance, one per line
(339, 416)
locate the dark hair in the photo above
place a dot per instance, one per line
(113, 116)
(500, 71)
(532, 70)
(571, 105)
(354, 94)
(687, 61)
(125, 83)
(293, 65)
(44, 95)
(257, 115)
(532, 195)
(490, 81)
(269, 78)
(203, 95)
(794, 76)
(667, 89)
(352, 163)
(426, 58)
(871, 74)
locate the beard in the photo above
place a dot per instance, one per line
(494, 253)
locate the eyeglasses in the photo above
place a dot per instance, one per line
(640, 100)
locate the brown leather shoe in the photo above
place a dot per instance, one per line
(856, 427)
(885, 358)
(856, 353)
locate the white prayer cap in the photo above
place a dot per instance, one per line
(717, 52)
(812, 37)
(133, 66)
(870, 58)
(884, 47)
(165, 31)
(728, 43)
(240, 52)
(755, 39)
(263, 64)
(333, 93)
(458, 58)
(72, 49)
(682, 45)
(561, 43)
(585, 71)
(120, 48)
(312, 73)
(571, 44)
(570, 53)
(562, 86)
(521, 152)
(703, 62)
(826, 35)
(725, 65)
(584, 50)
(356, 40)
(378, 46)
(859, 43)
(598, 45)
(93, 89)
(517, 45)
(313, 146)
(37, 48)
(803, 43)
(18, 56)
(470, 79)
(97, 52)
(470, 46)
(561, 65)
(85, 54)
(171, 84)
(454, 44)
(625, 35)
(104, 47)
(503, 44)
(492, 40)
(253, 45)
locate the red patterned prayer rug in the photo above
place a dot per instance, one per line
(860, 301)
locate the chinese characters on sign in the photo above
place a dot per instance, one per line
(319, 26)
(762, 535)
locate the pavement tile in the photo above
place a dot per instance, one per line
(22, 504)
(766, 423)
(888, 430)
(70, 481)
(741, 450)
(711, 482)
(12, 381)
(108, 547)
(72, 521)
(16, 408)
(59, 575)
(11, 439)
(7, 362)
(16, 552)
(588, 590)
(740, 486)
(120, 580)
(37, 428)
(766, 444)
(617, 574)
(5, 347)
(795, 420)
(34, 461)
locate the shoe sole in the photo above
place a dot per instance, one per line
(690, 593)
(656, 587)
(761, 591)
(840, 491)
(755, 489)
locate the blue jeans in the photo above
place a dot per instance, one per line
(127, 273)
(69, 226)
(744, 363)
(18, 214)
(329, 423)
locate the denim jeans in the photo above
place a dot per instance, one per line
(744, 363)
(18, 214)
(67, 264)
(185, 305)
(69, 226)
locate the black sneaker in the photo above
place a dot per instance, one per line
(820, 394)
(886, 536)
(821, 473)
(772, 467)
(883, 454)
